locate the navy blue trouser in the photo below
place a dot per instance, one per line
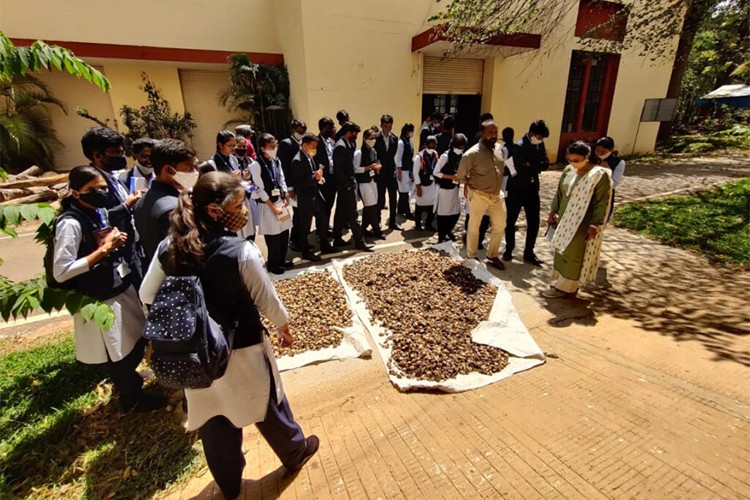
(222, 443)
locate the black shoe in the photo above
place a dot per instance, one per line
(312, 443)
(378, 235)
(311, 257)
(327, 249)
(418, 227)
(393, 225)
(533, 260)
(363, 247)
(339, 242)
(507, 256)
(496, 263)
(275, 270)
(408, 216)
(288, 264)
(294, 246)
(451, 237)
(149, 402)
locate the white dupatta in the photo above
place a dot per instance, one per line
(579, 199)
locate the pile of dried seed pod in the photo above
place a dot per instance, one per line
(430, 304)
(316, 303)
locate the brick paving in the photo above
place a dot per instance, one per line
(647, 396)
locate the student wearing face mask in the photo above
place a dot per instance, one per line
(288, 149)
(104, 149)
(424, 166)
(237, 291)
(224, 159)
(342, 116)
(445, 137)
(307, 179)
(578, 213)
(244, 161)
(88, 257)
(529, 160)
(432, 129)
(175, 164)
(447, 203)
(142, 169)
(367, 169)
(386, 146)
(608, 158)
(270, 186)
(248, 133)
(324, 158)
(405, 170)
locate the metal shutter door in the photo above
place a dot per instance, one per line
(452, 76)
(71, 127)
(200, 90)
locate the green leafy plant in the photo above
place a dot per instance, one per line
(27, 136)
(156, 119)
(254, 90)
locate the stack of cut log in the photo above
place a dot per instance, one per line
(33, 185)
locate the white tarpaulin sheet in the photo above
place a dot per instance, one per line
(354, 344)
(503, 329)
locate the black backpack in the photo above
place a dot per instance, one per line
(189, 349)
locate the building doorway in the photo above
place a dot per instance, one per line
(464, 108)
(588, 100)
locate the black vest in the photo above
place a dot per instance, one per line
(450, 168)
(427, 167)
(369, 156)
(227, 298)
(102, 281)
(407, 160)
(612, 161)
(270, 183)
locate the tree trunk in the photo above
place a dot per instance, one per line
(695, 15)
(34, 181)
(29, 172)
(48, 195)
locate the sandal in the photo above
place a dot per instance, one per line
(554, 293)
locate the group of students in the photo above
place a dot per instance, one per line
(120, 232)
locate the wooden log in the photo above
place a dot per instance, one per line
(35, 181)
(12, 194)
(48, 195)
(29, 172)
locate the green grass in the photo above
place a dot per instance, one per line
(712, 223)
(61, 436)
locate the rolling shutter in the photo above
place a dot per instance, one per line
(70, 128)
(200, 90)
(452, 76)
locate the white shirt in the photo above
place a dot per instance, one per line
(260, 187)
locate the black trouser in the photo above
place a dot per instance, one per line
(445, 225)
(528, 199)
(371, 219)
(418, 211)
(403, 204)
(310, 206)
(346, 213)
(125, 378)
(295, 236)
(483, 227)
(222, 443)
(277, 246)
(390, 184)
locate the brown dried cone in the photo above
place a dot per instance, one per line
(316, 304)
(430, 304)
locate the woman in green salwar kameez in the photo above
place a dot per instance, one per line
(578, 214)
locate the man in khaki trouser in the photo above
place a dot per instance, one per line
(481, 168)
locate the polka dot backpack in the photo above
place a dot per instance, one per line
(189, 349)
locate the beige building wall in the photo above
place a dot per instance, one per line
(195, 24)
(126, 81)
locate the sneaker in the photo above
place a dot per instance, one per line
(312, 443)
(554, 293)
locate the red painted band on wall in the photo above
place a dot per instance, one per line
(145, 53)
(435, 34)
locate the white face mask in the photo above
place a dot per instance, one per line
(271, 152)
(186, 179)
(430, 151)
(370, 143)
(144, 170)
(458, 151)
(605, 156)
(410, 135)
(578, 165)
(297, 137)
(535, 141)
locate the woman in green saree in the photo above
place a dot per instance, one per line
(579, 211)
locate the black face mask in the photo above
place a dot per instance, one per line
(489, 143)
(240, 152)
(97, 198)
(114, 163)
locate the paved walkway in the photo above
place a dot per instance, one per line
(647, 394)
